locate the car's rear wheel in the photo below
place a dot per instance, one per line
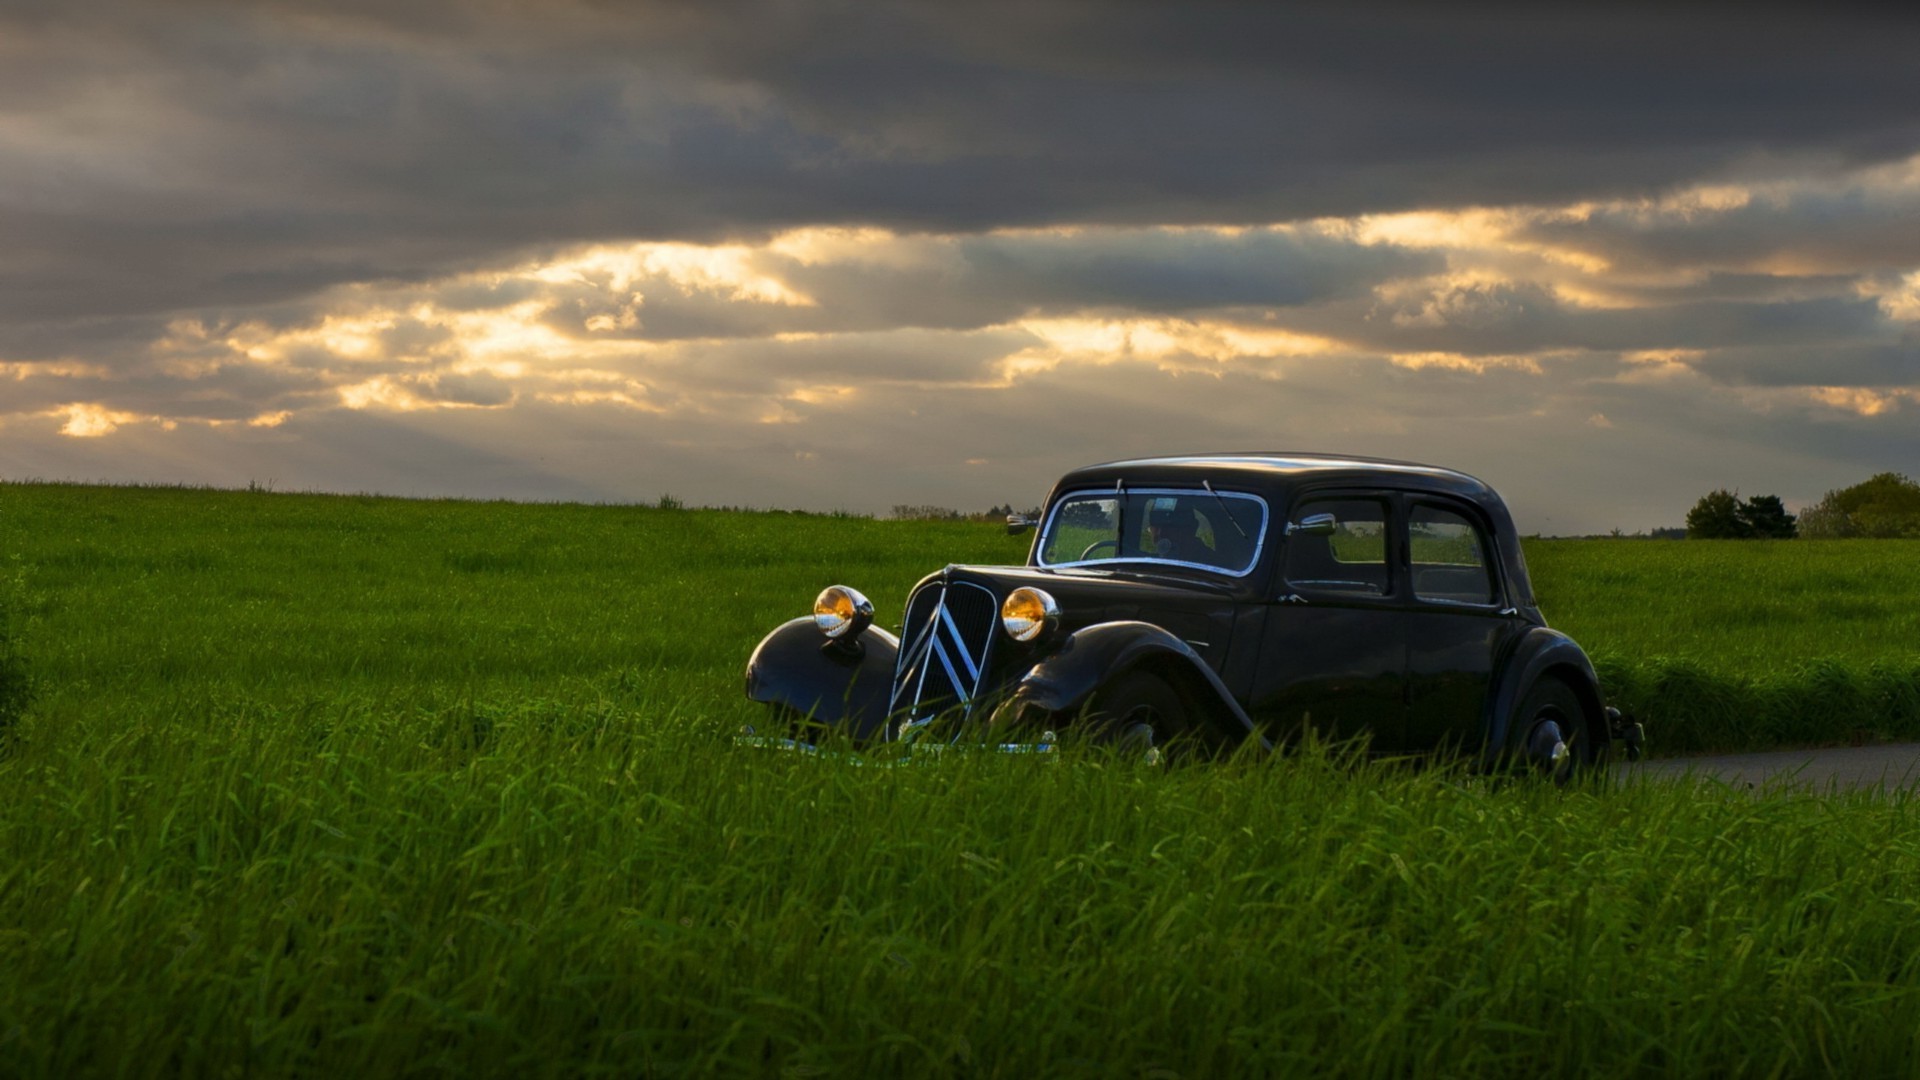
(1550, 736)
(1137, 713)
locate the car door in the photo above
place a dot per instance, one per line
(1457, 622)
(1333, 654)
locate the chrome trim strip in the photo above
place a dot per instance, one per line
(960, 643)
(945, 662)
(938, 639)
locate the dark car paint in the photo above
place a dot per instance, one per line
(1413, 674)
(836, 683)
(1541, 652)
(1064, 681)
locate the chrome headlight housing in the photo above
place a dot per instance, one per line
(841, 612)
(1028, 614)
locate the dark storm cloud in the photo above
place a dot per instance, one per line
(966, 283)
(994, 278)
(1870, 223)
(1507, 318)
(165, 156)
(1868, 365)
(897, 356)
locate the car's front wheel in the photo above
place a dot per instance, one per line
(1137, 713)
(1550, 736)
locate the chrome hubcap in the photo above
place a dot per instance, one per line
(1547, 748)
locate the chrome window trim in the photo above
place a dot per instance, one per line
(1053, 516)
(1496, 576)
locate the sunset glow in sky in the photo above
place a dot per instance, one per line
(763, 255)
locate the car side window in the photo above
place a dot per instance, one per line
(1348, 555)
(1450, 557)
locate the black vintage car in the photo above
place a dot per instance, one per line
(1206, 600)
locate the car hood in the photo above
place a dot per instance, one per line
(1194, 608)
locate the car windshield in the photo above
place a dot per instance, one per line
(1200, 527)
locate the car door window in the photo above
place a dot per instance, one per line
(1351, 558)
(1450, 557)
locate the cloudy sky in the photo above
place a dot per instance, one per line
(854, 255)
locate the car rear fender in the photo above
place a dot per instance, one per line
(1062, 684)
(845, 685)
(1541, 653)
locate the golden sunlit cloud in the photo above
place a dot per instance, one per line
(596, 397)
(396, 394)
(824, 246)
(1470, 228)
(566, 330)
(1861, 401)
(819, 395)
(728, 271)
(52, 369)
(1902, 301)
(346, 337)
(1452, 361)
(89, 421)
(1172, 345)
(1109, 340)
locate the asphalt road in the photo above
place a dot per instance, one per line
(1891, 766)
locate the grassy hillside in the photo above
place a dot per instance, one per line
(361, 786)
(1738, 607)
(154, 594)
(145, 594)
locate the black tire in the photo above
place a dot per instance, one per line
(1138, 713)
(1551, 714)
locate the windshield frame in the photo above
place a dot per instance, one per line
(1126, 492)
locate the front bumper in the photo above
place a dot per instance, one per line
(894, 753)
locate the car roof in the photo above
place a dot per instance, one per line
(1273, 469)
(1281, 473)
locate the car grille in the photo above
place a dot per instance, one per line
(949, 635)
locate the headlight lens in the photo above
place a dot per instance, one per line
(841, 612)
(1028, 613)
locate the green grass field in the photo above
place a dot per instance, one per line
(327, 785)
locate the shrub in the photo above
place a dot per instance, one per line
(1885, 506)
(1721, 515)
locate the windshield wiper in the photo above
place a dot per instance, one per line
(1208, 484)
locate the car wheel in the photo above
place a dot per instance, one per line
(1550, 735)
(1137, 713)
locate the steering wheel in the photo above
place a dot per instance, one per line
(1096, 546)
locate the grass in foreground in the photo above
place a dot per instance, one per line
(571, 887)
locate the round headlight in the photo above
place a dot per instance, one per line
(842, 612)
(1028, 613)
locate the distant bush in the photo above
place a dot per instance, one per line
(1886, 506)
(1721, 515)
(928, 512)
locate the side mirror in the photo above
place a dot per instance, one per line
(1017, 524)
(1313, 525)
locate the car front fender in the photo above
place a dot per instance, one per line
(845, 685)
(1541, 653)
(1064, 682)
